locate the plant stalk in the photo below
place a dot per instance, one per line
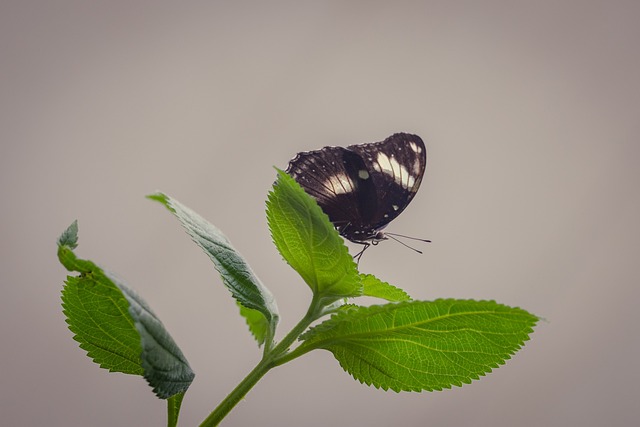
(269, 361)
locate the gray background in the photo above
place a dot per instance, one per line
(530, 114)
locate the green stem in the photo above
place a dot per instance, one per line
(289, 356)
(236, 395)
(269, 361)
(173, 409)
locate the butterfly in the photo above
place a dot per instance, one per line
(363, 187)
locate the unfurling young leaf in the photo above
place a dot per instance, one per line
(257, 303)
(116, 327)
(422, 345)
(308, 241)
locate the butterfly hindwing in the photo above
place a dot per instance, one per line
(323, 175)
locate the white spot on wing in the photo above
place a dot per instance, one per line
(391, 167)
(384, 163)
(416, 167)
(363, 174)
(340, 184)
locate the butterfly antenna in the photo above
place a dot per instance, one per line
(391, 236)
(406, 237)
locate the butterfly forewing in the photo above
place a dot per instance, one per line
(396, 167)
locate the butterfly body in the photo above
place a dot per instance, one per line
(363, 187)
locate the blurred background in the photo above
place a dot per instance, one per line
(530, 112)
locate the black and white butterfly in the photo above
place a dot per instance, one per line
(362, 188)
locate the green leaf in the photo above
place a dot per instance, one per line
(421, 345)
(374, 287)
(308, 241)
(97, 313)
(116, 327)
(257, 323)
(260, 310)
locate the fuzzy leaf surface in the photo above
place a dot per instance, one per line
(309, 243)
(116, 327)
(422, 345)
(259, 306)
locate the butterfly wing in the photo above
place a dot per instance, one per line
(328, 176)
(395, 167)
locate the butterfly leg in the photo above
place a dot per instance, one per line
(359, 254)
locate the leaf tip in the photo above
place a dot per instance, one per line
(163, 199)
(158, 196)
(69, 237)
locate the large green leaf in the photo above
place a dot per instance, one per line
(257, 303)
(308, 241)
(419, 345)
(116, 327)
